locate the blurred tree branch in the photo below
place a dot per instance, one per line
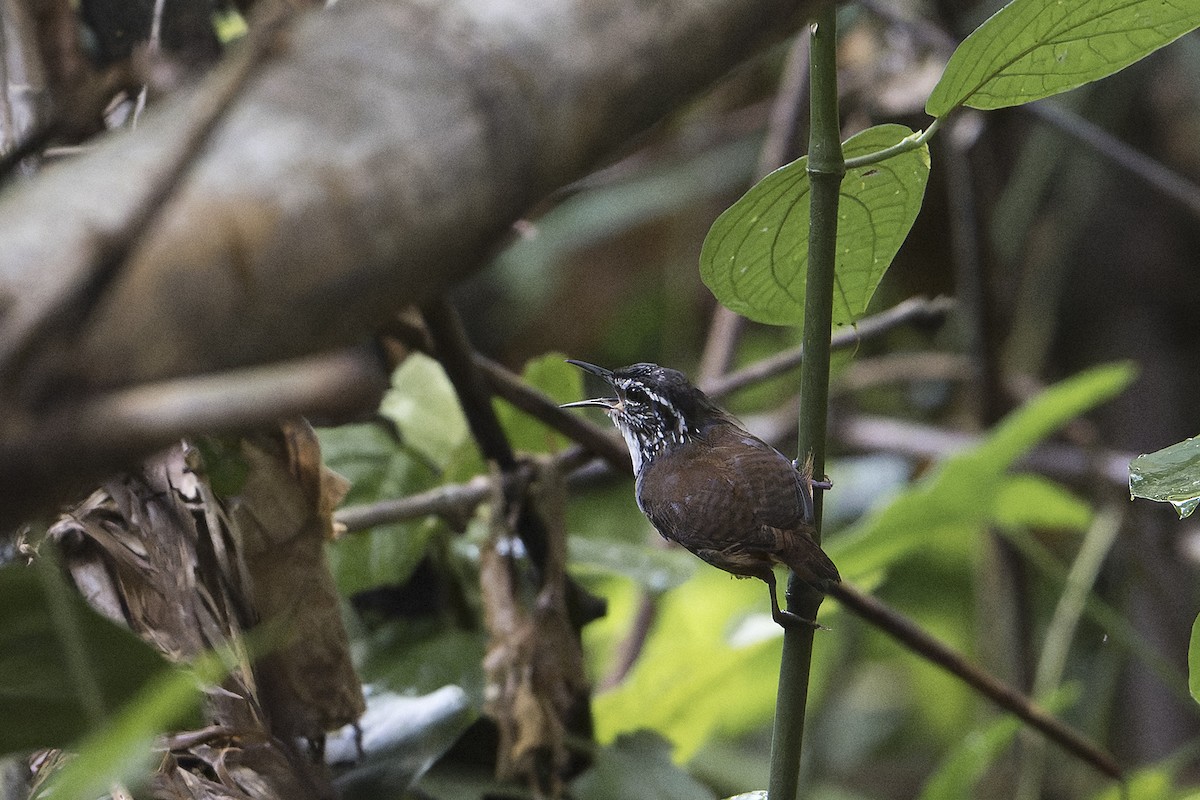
(375, 157)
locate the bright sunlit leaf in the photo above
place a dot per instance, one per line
(755, 257)
(1170, 475)
(1032, 49)
(1031, 501)
(701, 670)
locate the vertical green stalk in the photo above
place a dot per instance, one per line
(825, 170)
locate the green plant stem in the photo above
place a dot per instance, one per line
(825, 170)
(1061, 632)
(918, 139)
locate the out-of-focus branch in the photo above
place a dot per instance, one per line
(381, 154)
(593, 440)
(913, 310)
(80, 441)
(916, 639)
(871, 433)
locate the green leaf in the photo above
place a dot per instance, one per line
(554, 377)
(1032, 49)
(123, 752)
(951, 506)
(637, 765)
(1031, 501)
(378, 467)
(755, 257)
(400, 659)
(423, 405)
(1170, 475)
(701, 670)
(957, 775)
(63, 667)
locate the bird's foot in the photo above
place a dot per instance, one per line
(805, 468)
(789, 619)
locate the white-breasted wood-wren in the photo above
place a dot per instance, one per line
(705, 482)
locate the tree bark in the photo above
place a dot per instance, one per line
(377, 156)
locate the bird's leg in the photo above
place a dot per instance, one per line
(805, 468)
(806, 486)
(785, 619)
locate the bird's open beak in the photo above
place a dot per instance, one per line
(599, 372)
(607, 403)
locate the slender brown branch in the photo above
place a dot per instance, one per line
(454, 352)
(908, 633)
(78, 442)
(600, 441)
(916, 309)
(1159, 177)
(903, 367)
(454, 502)
(872, 433)
(724, 330)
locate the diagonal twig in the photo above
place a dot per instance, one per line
(908, 633)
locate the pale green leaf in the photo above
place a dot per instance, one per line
(701, 669)
(755, 257)
(1032, 49)
(948, 508)
(1031, 501)
(1170, 475)
(424, 406)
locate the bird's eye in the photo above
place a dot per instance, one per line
(636, 394)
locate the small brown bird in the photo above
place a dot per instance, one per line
(708, 484)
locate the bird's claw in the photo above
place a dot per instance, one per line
(789, 619)
(805, 468)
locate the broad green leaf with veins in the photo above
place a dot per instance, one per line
(1032, 49)
(755, 257)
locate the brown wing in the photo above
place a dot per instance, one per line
(739, 514)
(783, 501)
